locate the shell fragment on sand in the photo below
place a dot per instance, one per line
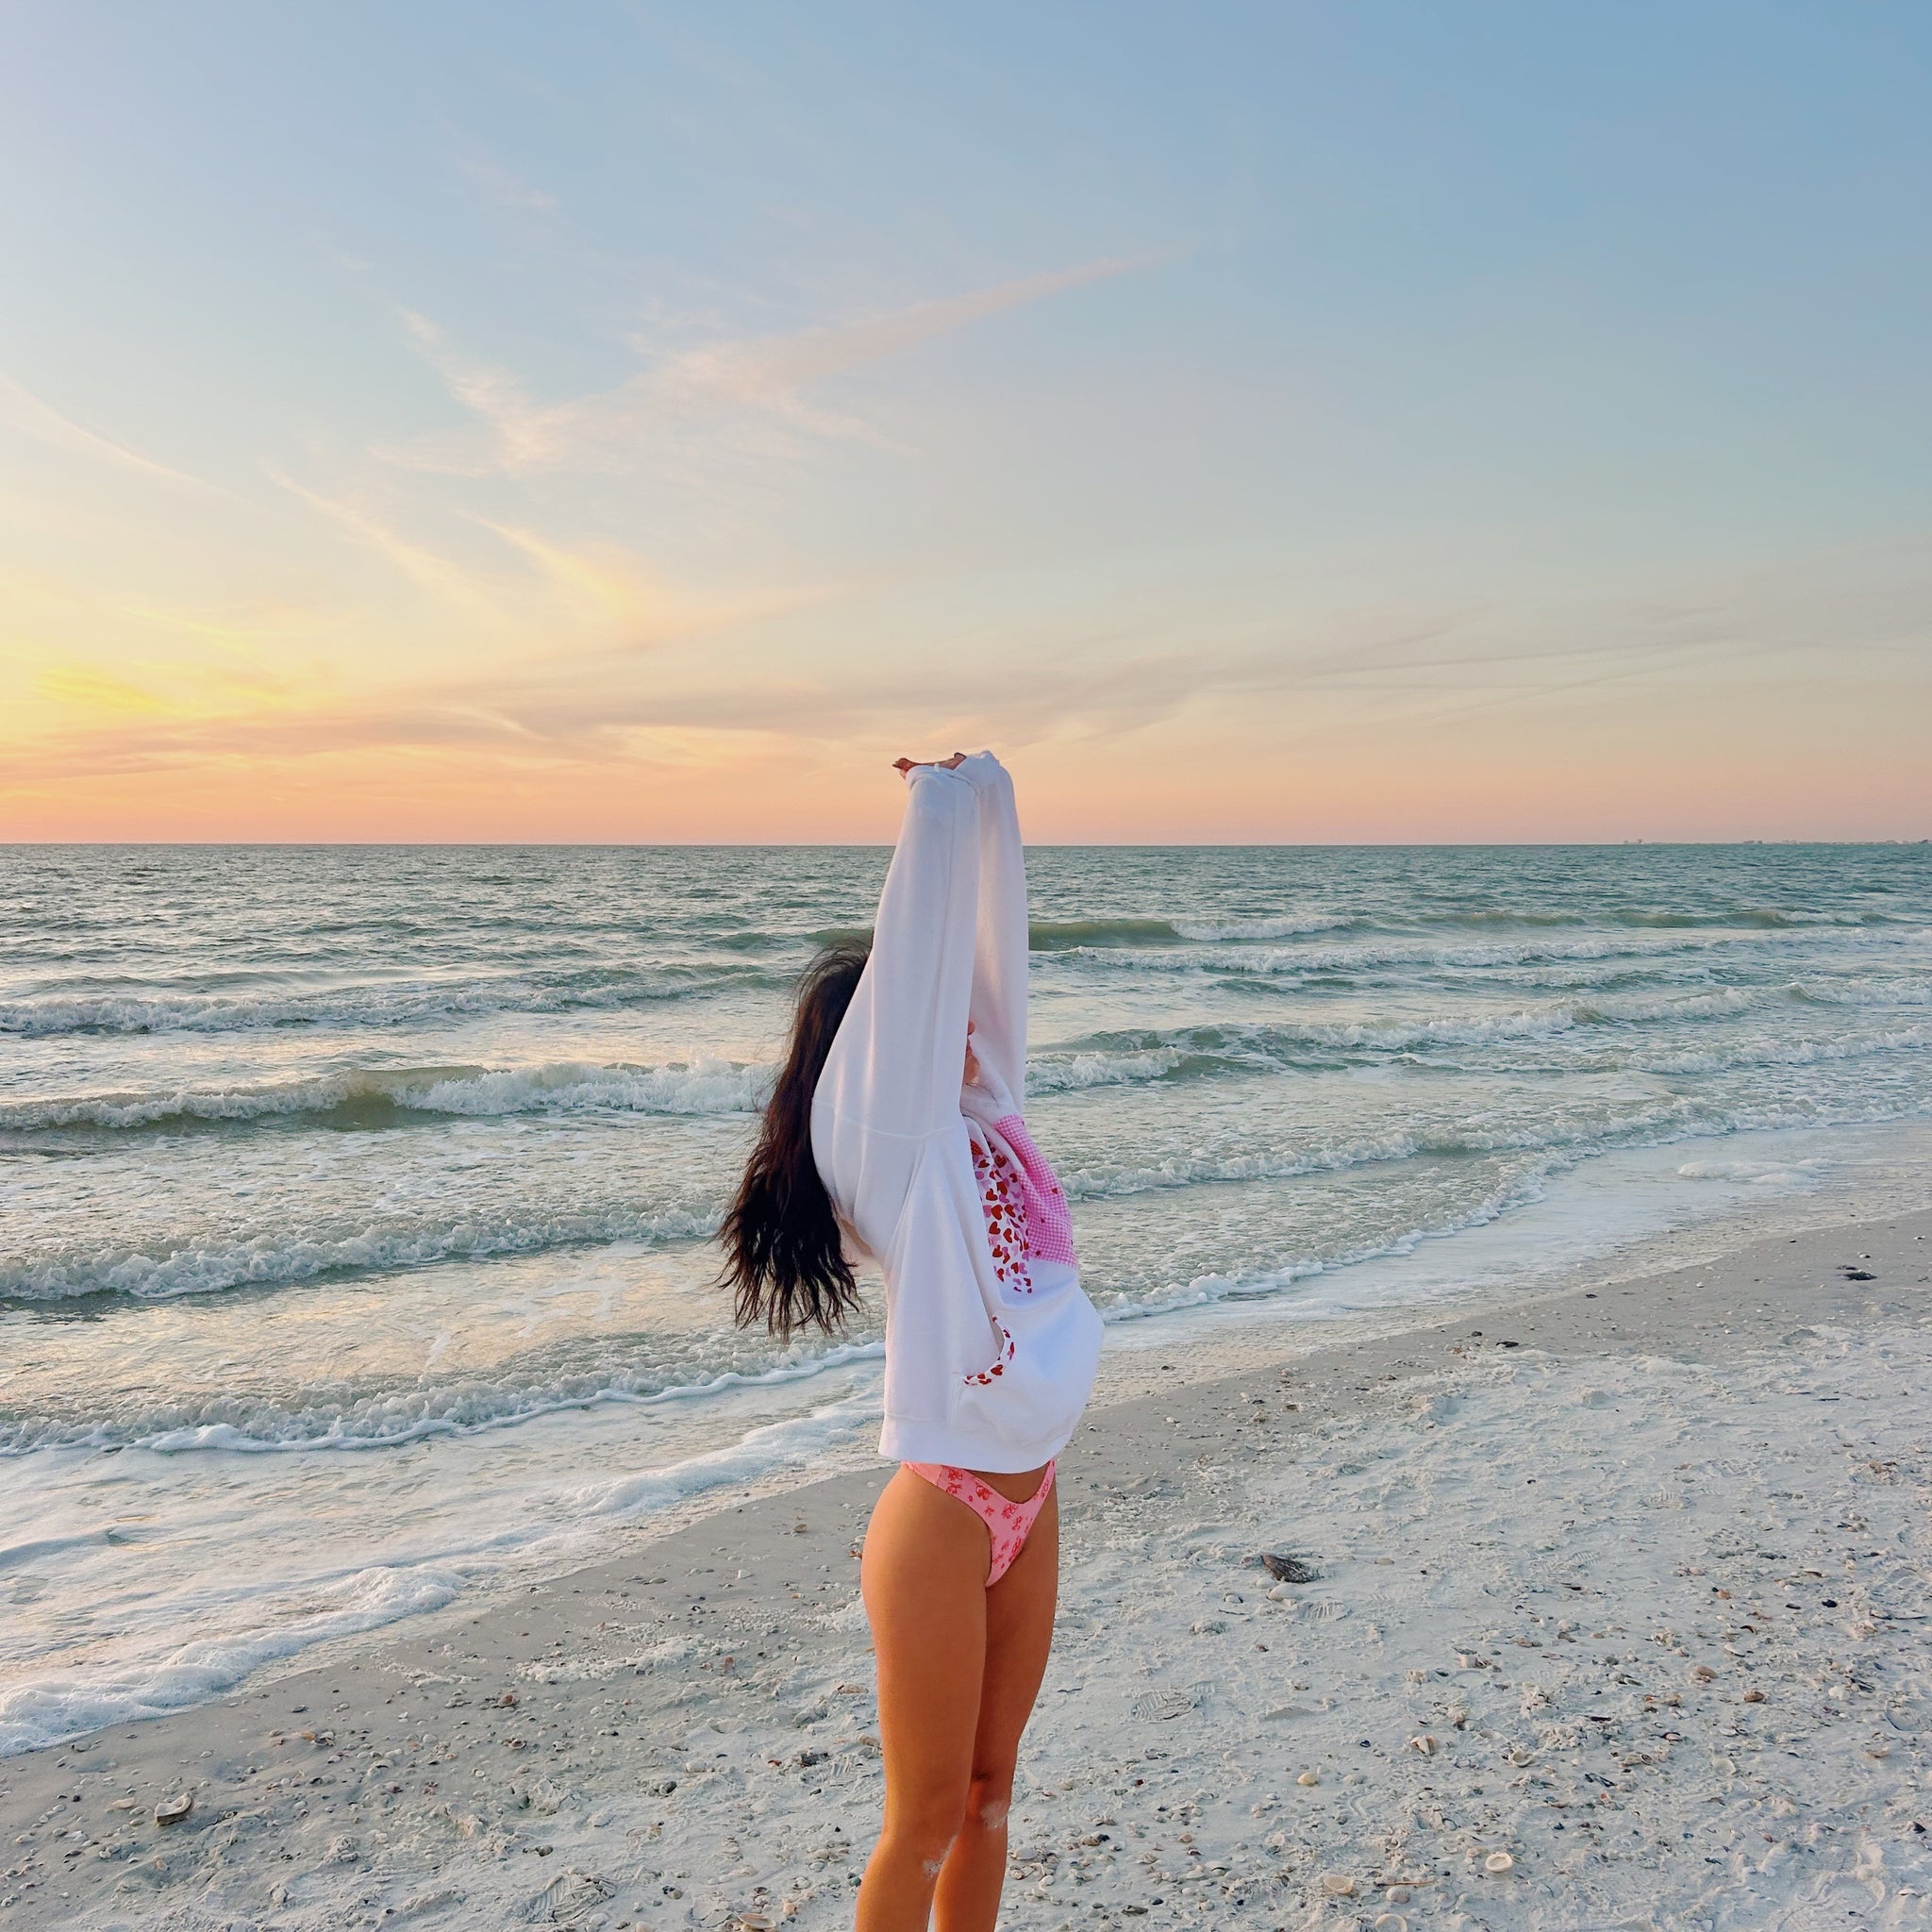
(1285, 1567)
(175, 1807)
(1499, 1862)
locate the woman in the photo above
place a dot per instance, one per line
(895, 1132)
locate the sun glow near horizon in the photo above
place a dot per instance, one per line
(600, 440)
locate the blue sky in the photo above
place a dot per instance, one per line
(1487, 421)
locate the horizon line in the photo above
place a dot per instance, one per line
(886, 845)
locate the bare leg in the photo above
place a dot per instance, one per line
(1019, 1634)
(924, 1578)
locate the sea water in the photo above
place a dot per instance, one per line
(353, 1240)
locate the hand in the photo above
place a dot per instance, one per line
(950, 764)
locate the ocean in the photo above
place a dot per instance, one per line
(354, 1235)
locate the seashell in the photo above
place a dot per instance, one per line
(1499, 1861)
(1288, 1569)
(1338, 1885)
(1397, 1894)
(1309, 1777)
(1426, 1744)
(174, 1808)
(1754, 1697)
(1390, 1921)
(1704, 1673)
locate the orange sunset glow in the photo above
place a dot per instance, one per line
(549, 483)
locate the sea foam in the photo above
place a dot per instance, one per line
(44, 1709)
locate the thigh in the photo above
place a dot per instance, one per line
(1019, 1634)
(924, 1580)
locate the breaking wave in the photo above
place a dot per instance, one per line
(425, 1003)
(1682, 1118)
(162, 1270)
(376, 1097)
(1074, 935)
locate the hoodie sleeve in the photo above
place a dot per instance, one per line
(896, 1065)
(999, 962)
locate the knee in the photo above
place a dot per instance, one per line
(990, 1798)
(924, 1828)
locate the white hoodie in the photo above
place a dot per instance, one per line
(991, 1344)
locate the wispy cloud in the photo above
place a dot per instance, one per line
(424, 568)
(503, 185)
(769, 374)
(89, 690)
(197, 695)
(1358, 676)
(601, 595)
(32, 597)
(769, 369)
(597, 710)
(26, 415)
(605, 581)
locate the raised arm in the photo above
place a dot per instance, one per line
(999, 963)
(894, 1067)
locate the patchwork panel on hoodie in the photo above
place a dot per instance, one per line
(1005, 1207)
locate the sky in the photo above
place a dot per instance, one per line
(1285, 423)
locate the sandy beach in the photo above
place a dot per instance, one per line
(1618, 1615)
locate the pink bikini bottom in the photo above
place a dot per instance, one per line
(1007, 1523)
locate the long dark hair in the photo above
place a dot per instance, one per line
(784, 1262)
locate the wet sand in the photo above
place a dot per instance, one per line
(1621, 1615)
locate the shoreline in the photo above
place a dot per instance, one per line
(160, 1597)
(652, 1738)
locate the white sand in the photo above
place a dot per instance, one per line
(1657, 1582)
